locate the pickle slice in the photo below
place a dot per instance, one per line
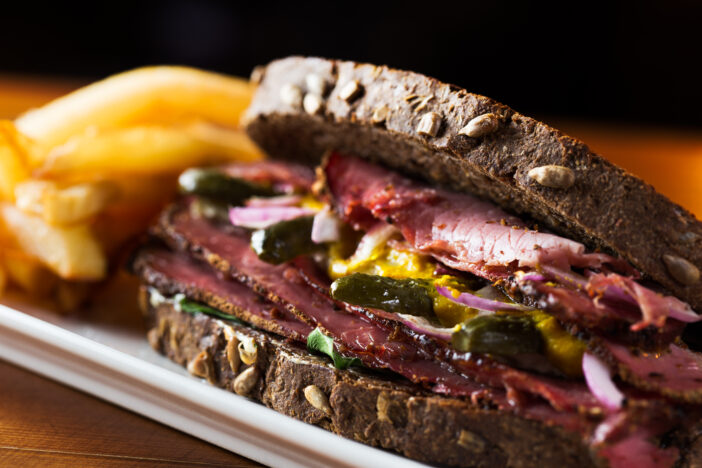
(215, 185)
(500, 335)
(285, 240)
(404, 296)
(206, 208)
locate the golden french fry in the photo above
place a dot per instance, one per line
(71, 252)
(78, 203)
(163, 94)
(28, 273)
(131, 189)
(13, 160)
(143, 150)
(29, 195)
(64, 206)
(233, 143)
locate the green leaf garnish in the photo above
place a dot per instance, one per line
(318, 341)
(191, 307)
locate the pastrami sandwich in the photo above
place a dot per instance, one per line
(455, 281)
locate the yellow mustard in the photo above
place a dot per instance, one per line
(563, 350)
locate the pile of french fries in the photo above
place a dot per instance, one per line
(87, 172)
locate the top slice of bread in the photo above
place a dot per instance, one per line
(412, 123)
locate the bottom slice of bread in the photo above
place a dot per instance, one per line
(377, 410)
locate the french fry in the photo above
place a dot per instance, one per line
(71, 252)
(30, 194)
(28, 273)
(87, 172)
(145, 149)
(233, 143)
(13, 160)
(64, 206)
(146, 95)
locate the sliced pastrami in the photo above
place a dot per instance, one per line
(654, 307)
(172, 273)
(675, 373)
(360, 332)
(561, 394)
(603, 316)
(472, 235)
(285, 177)
(466, 233)
(228, 250)
(637, 450)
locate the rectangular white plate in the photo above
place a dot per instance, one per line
(103, 351)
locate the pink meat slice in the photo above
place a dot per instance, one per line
(561, 394)
(676, 373)
(286, 177)
(283, 285)
(472, 235)
(183, 273)
(176, 272)
(565, 398)
(462, 231)
(360, 334)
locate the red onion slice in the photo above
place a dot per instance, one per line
(655, 308)
(684, 314)
(325, 227)
(262, 217)
(477, 302)
(422, 325)
(599, 381)
(282, 200)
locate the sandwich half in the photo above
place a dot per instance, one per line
(425, 270)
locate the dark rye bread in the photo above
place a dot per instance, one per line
(382, 412)
(376, 410)
(605, 207)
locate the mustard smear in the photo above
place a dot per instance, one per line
(563, 350)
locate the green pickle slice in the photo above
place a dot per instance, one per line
(501, 335)
(403, 296)
(216, 185)
(284, 241)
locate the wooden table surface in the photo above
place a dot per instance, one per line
(43, 423)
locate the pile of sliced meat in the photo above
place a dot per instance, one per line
(593, 293)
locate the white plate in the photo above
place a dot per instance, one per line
(104, 352)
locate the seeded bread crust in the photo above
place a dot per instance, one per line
(412, 123)
(382, 412)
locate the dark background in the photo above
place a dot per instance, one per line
(635, 62)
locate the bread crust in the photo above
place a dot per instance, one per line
(378, 410)
(606, 207)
